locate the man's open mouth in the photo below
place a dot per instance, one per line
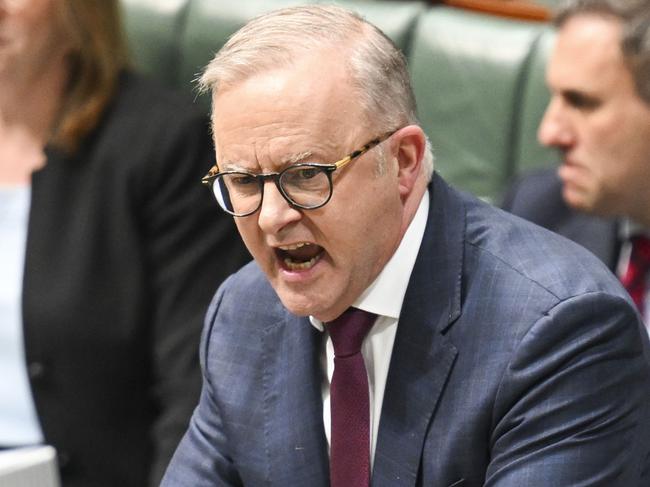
(299, 256)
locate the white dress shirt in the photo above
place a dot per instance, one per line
(19, 423)
(384, 298)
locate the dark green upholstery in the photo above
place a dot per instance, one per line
(154, 28)
(209, 25)
(468, 74)
(210, 22)
(478, 79)
(528, 153)
(397, 19)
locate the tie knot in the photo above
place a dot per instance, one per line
(641, 251)
(349, 330)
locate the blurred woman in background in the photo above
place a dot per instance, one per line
(110, 249)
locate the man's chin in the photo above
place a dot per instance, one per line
(575, 198)
(574, 203)
(305, 305)
(582, 202)
(298, 304)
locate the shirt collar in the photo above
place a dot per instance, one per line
(630, 228)
(384, 297)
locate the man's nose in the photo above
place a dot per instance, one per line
(555, 128)
(276, 212)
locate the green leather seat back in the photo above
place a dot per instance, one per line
(478, 79)
(209, 25)
(211, 22)
(552, 4)
(396, 19)
(153, 29)
(529, 153)
(468, 71)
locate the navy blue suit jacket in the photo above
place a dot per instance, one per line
(518, 361)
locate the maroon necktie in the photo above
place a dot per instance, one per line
(635, 277)
(350, 441)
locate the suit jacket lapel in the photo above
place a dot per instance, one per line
(296, 446)
(422, 356)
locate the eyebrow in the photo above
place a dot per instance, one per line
(580, 98)
(295, 158)
(288, 160)
(232, 166)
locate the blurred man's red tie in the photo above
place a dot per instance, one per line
(350, 440)
(634, 279)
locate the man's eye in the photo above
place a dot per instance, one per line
(307, 172)
(581, 101)
(243, 180)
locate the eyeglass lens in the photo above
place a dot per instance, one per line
(240, 193)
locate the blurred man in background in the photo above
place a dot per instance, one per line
(599, 120)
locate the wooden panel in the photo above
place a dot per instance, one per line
(519, 9)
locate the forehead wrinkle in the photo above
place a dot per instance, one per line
(242, 165)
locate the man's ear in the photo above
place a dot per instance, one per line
(409, 144)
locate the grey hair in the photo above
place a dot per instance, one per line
(378, 70)
(634, 16)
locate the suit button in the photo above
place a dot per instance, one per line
(36, 371)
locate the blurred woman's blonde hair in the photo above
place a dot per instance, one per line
(99, 54)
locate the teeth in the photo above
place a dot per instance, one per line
(294, 246)
(300, 266)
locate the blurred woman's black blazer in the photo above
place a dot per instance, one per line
(125, 249)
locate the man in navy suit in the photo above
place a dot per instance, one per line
(501, 354)
(599, 120)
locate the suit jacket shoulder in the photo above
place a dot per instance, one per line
(504, 331)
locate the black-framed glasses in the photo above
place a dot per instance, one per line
(305, 185)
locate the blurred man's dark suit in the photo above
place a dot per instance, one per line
(537, 197)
